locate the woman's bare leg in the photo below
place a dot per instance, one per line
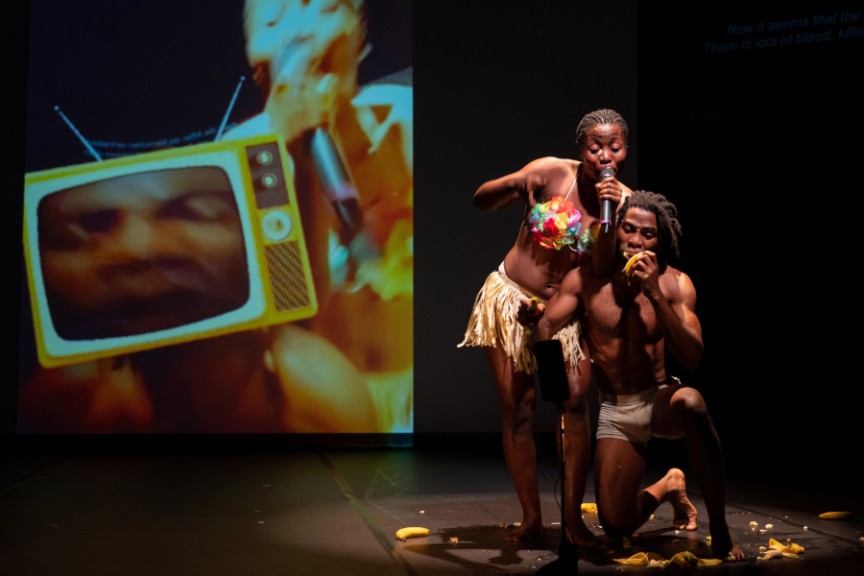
(516, 392)
(577, 452)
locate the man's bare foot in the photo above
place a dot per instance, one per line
(579, 534)
(676, 494)
(722, 545)
(525, 532)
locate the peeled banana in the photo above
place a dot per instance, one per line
(411, 532)
(836, 515)
(633, 259)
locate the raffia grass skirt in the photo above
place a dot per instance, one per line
(494, 322)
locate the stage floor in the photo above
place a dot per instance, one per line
(334, 512)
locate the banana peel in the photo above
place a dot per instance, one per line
(777, 549)
(411, 532)
(647, 559)
(684, 559)
(790, 547)
(690, 560)
(628, 267)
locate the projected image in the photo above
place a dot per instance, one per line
(140, 253)
(191, 299)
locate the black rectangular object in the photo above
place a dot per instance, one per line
(552, 371)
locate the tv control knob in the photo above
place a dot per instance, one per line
(276, 225)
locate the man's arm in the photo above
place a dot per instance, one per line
(561, 307)
(673, 297)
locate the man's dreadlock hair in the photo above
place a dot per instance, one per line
(669, 228)
(598, 117)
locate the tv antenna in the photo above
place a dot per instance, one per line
(83, 140)
(230, 107)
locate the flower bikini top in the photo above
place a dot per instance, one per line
(557, 223)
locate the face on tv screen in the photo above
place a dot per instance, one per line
(141, 253)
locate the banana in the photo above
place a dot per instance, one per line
(532, 309)
(589, 508)
(411, 532)
(690, 560)
(633, 259)
(685, 558)
(790, 548)
(836, 515)
(769, 554)
(640, 559)
(654, 560)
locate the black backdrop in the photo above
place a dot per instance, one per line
(756, 144)
(496, 85)
(751, 120)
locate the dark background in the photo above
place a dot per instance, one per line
(496, 86)
(757, 147)
(760, 149)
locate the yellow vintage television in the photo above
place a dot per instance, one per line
(163, 247)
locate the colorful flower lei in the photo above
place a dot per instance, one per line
(555, 223)
(586, 241)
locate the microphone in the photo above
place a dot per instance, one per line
(606, 206)
(337, 183)
(340, 189)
